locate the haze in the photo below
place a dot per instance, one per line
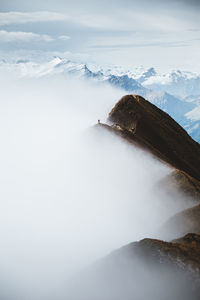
(70, 192)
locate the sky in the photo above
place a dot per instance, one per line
(163, 34)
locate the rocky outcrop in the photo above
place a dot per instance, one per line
(185, 184)
(142, 123)
(185, 221)
(149, 269)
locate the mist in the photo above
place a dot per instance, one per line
(70, 192)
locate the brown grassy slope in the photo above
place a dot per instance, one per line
(183, 251)
(139, 121)
(182, 254)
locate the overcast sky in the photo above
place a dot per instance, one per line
(163, 34)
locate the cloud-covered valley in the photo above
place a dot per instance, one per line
(70, 193)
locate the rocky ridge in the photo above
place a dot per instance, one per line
(151, 268)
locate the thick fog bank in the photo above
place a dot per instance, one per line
(69, 193)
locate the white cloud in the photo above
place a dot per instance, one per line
(12, 36)
(121, 21)
(14, 17)
(64, 37)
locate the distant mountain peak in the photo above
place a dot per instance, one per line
(163, 90)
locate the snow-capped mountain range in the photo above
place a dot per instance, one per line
(177, 92)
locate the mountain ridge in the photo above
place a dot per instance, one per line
(151, 268)
(143, 122)
(129, 81)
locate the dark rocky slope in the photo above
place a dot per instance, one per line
(184, 183)
(152, 269)
(149, 269)
(185, 221)
(138, 121)
(141, 122)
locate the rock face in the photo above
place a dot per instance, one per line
(184, 183)
(153, 129)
